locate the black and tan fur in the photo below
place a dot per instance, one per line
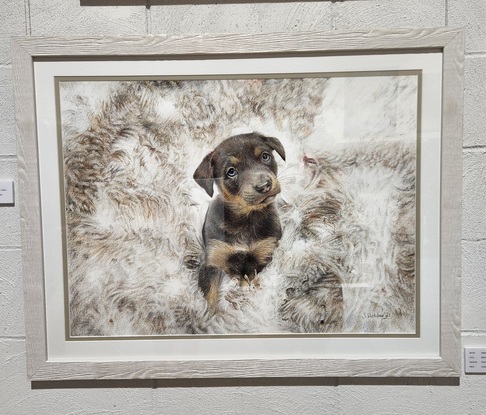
(242, 228)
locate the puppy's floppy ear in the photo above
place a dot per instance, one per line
(204, 176)
(276, 145)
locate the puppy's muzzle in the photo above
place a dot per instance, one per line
(262, 188)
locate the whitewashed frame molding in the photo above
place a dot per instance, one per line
(448, 41)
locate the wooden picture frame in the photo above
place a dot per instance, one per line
(446, 43)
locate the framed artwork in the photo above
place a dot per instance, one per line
(280, 205)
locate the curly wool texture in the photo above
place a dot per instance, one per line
(346, 260)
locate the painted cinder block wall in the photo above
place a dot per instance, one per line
(330, 396)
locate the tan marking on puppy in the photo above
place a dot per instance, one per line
(263, 249)
(230, 197)
(239, 205)
(218, 253)
(213, 295)
(234, 161)
(258, 151)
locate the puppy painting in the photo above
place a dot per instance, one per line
(242, 228)
(177, 223)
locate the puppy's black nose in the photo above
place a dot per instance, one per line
(264, 187)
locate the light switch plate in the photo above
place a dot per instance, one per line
(475, 360)
(6, 192)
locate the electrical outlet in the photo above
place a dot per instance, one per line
(6, 192)
(475, 359)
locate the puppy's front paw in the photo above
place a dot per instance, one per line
(245, 281)
(255, 283)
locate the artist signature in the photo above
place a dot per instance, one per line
(382, 315)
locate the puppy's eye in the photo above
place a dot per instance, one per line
(231, 172)
(266, 157)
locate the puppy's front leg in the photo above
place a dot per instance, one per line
(209, 281)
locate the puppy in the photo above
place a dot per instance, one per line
(241, 228)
